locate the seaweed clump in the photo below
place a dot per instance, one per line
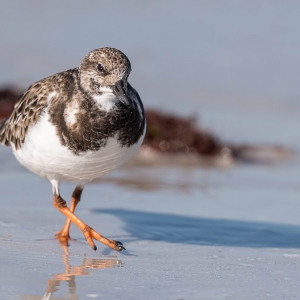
(8, 97)
(173, 134)
(165, 133)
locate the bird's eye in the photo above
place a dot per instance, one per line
(100, 68)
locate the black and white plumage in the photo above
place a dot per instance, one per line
(79, 124)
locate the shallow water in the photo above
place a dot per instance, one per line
(226, 232)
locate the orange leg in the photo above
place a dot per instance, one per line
(88, 232)
(63, 235)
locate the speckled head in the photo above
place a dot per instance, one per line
(105, 69)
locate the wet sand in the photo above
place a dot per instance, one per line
(230, 233)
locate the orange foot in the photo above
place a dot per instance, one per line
(90, 234)
(63, 238)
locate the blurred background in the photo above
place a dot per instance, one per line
(234, 67)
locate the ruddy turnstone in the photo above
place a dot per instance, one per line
(78, 125)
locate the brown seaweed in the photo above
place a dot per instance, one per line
(8, 97)
(171, 134)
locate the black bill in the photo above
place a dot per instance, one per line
(119, 90)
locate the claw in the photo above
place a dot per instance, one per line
(120, 245)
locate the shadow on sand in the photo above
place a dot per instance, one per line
(205, 231)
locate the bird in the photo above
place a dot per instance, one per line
(76, 126)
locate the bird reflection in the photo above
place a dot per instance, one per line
(71, 272)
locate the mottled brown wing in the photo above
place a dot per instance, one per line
(26, 113)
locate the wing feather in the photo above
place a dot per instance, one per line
(26, 113)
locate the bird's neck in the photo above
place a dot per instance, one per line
(105, 100)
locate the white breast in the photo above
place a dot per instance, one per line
(107, 100)
(43, 154)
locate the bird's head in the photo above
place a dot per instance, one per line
(105, 70)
